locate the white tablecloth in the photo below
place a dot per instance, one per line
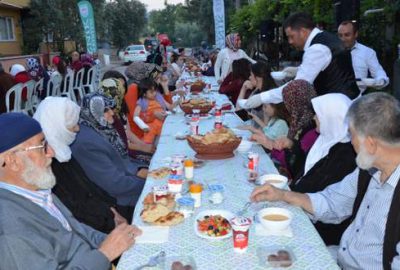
(308, 248)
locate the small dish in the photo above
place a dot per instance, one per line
(244, 146)
(275, 218)
(179, 263)
(276, 256)
(277, 180)
(278, 75)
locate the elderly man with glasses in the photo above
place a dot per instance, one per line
(36, 229)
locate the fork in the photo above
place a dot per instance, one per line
(153, 261)
(244, 209)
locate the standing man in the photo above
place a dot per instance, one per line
(364, 58)
(326, 63)
(36, 230)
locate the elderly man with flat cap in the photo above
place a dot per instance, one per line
(36, 229)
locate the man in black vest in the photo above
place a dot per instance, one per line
(370, 195)
(326, 63)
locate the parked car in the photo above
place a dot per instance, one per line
(134, 53)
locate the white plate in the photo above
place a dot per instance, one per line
(226, 214)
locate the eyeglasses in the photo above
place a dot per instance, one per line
(44, 146)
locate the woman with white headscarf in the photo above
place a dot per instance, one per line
(223, 64)
(331, 157)
(89, 204)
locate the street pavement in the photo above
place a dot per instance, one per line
(117, 65)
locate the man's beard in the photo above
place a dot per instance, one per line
(42, 178)
(364, 160)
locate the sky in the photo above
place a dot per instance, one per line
(158, 4)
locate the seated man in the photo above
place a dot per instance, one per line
(369, 198)
(36, 229)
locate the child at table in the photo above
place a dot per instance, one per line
(151, 110)
(274, 123)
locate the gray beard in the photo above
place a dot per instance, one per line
(42, 178)
(364, 160)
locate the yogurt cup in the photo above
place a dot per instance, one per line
(240, 229)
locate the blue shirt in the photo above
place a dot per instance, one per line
(43, 198)
(276, 128)
(361, 246)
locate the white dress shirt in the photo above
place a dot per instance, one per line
(361, 246)
(224, 62)
(316, 58)
(364, 60)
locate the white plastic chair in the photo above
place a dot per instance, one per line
(88, 85)
(77, 85)
(66, 89)
(30, 89)
(15, 91)
(53, 85)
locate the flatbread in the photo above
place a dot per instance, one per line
(154, 212)
(168, 201)
(173, 218)
(160, 173)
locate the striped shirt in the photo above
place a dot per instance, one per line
(43, 198)
(361, 246)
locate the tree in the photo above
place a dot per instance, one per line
(127, 20)
(57, 19)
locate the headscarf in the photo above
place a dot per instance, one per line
(34, 68)
(56, 60)
(56, 115)
(231, 41)
(92, 115)
(86, 60)
(331, 110)
(113, 88)
(297, 96)
(138, 71)
(16, 68)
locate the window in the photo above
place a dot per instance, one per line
(6, 29)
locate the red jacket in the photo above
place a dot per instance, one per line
(22, 77)
(231, 87)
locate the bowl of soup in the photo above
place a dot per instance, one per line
(277, 180)
(275, 218)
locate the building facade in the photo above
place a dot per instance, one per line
(11, 40)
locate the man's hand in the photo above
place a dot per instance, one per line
(118, 219)
(119, 240)
(267, 192)
(253, 102)
(142, 173)
(290, 72)
(283, 143)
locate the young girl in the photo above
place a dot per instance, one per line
(273, 125)
(150, 110)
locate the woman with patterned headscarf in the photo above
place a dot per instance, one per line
(297, 96)
(227, 55)
(103, 155)
(113, 87)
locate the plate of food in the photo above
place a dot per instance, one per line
(213, 224)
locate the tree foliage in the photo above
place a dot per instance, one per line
(126, 21)
(58, 19)
(197, 15)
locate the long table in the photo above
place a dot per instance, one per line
(309, 250)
